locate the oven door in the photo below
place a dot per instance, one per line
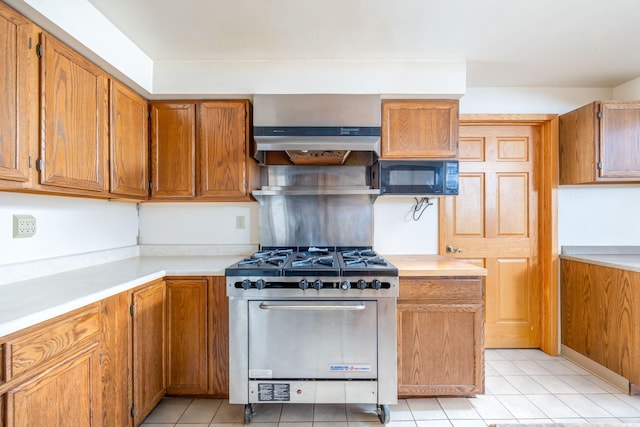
(294, 339)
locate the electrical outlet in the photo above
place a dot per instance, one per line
(23, 226)
(240, 222)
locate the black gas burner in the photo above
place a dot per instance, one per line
(273, 260)
(307, 259)
(364, 260)
(361, 253)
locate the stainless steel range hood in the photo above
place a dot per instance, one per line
(316, 129)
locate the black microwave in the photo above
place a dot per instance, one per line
(416, 177)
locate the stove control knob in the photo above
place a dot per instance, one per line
(303, 284)
(362, 284)
(317, 284)
(260, 284)
(246, 284)
(376, 284)
(345, 285)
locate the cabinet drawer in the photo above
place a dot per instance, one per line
(464, 290)
(30, 350)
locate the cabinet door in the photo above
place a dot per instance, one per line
(173, 150)
(620, 141)
(116, 360)
(148, 349)
(66, 395)
(222, 135)
(19, 98)
(187, 336)
(129, 142)
(413, 129)
(74, 120)
(440, 349)
(219, 338)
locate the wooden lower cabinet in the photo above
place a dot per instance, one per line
(440, 336)
(51, 373)
(218, 333)
(186, 372)
(66, 395)
(600, 316)
(148, 349)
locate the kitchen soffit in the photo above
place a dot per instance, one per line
(571, 43)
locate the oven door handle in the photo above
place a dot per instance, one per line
(316, 307)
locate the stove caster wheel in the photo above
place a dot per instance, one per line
(384, 415)
(249, 410)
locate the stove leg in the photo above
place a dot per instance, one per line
(249, 411)
(384, 415)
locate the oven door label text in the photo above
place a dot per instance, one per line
(274, 392)
(350, 367)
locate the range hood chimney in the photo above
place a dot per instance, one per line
(316, 129)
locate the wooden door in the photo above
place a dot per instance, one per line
(66, 395)
(148, 349)
(219, 338)
(129, 142)
(493, 223)
(222, 135)
(173, 150)
(18, 98)
(419, 128)
(74, 120)
(187, 348)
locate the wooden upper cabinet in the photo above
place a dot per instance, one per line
(74, 119)
(600, 143)
(129, 142)
(415, 129)
(18, 99)
(173, 150)
(222, 135)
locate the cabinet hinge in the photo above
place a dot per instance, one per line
(599, 165)
(150, 186)
(39, 164)
(133, 411)
(132, 309)
(100, 358)
(30, 42)
(39, 50)
(30, 162)
(149, 114)
(599, 114)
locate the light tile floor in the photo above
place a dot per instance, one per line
(521, 386)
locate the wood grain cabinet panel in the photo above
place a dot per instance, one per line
(223, 136)
(66, 395)
(173, 150)
(129, 142)
(600, 316)
(187, 350)
(19, 67)
(74, 120)
(31, 350)
(218, 332)
(117, 359)
(415, 129)
(440, 336)
(148, 349)
(600, 143)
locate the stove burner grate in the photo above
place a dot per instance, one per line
(304, 260)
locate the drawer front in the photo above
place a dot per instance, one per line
(43, 344)
(463, 290)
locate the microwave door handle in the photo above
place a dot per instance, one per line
(314, 307)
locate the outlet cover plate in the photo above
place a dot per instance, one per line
(23, 226)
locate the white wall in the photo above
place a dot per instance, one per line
(198, 223)
(65, 226)
(395, 230)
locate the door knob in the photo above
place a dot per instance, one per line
(451, 250)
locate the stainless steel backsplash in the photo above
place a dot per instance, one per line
(318, 219)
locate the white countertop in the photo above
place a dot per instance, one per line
(621, 257)
(28, 302)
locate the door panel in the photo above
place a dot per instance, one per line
(493, 222)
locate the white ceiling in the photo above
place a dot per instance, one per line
(550, 43)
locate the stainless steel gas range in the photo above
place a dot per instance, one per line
(313, 325)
